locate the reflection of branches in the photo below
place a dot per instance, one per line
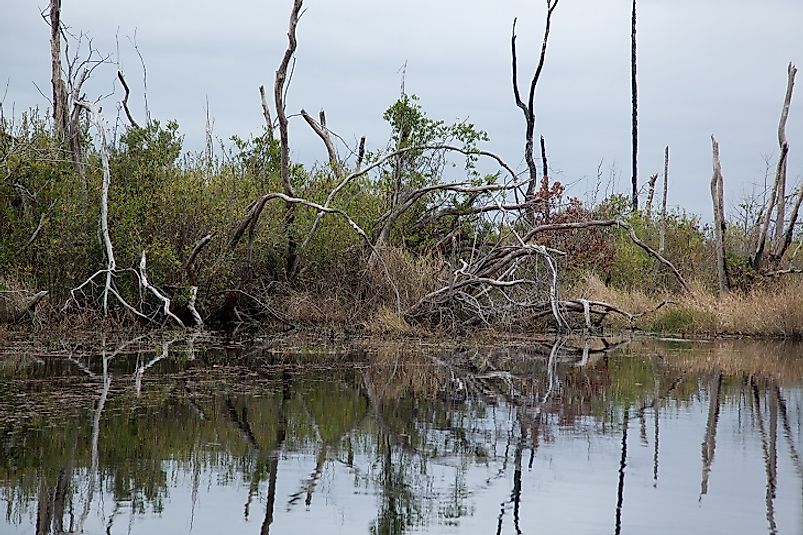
(710, 440)
(769, 448)
(93, 471)
(620, 491)
(787, 430)
(141, 369)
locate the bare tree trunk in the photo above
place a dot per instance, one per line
(781, 172)
(528, 109)
(60, 119)
(778, 190)
(662, 230)
(717, 190)
(278, 95)
(634, 94)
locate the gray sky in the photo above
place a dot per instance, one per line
(713, 66)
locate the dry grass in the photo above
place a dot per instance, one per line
(413, 275)
(776, 309)
(772, 310)
(386, 321)
(305, 307)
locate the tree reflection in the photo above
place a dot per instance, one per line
(408, 425)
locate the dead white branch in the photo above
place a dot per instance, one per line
(777, 200)
(143, 281)
(111, 263)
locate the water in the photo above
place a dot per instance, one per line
(648, 437)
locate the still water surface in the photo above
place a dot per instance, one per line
(648, 437)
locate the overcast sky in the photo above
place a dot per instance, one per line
(705, 66)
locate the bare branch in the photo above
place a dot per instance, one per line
(323, 133)
(125, 100)
(189, 265)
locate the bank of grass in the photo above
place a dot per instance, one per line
(773, 309)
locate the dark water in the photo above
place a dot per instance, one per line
(650, 437)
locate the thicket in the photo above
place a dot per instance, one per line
(163, 199)
(429, 228)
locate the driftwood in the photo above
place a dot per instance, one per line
(143, 282)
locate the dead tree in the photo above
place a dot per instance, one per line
(777, 202)
(110, 271)
(60, 114)
(662, 228)
(67, 81)
(279, 89)
(634, 95)
(651, 194)
(528, 108)
(717, 190)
